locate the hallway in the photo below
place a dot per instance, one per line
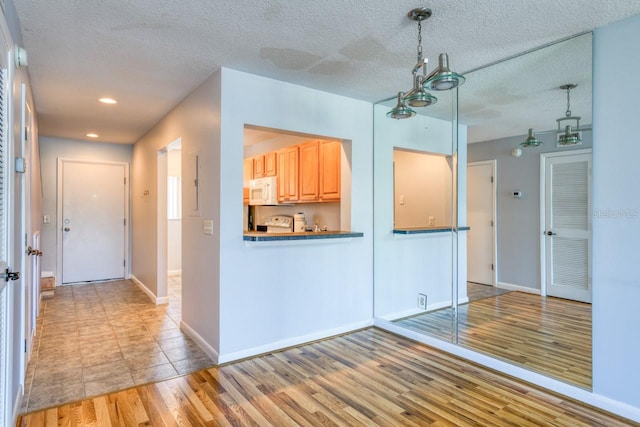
(99, 338)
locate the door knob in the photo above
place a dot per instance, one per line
(11, 275)
(67, 229)
(550, 233)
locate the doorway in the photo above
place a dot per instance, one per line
(170, 225)
(566, 225)
(481, 218)
(92, 220)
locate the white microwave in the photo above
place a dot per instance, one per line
(263, 191)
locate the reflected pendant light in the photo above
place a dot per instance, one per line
(566, 135)
(401, 111)
(531, 140)
(442, 78)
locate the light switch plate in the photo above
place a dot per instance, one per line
(207, 226)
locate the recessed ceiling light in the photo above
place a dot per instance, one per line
(92, 135)
(108, 101)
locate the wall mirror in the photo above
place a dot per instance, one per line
(520, 278)
(415, 163)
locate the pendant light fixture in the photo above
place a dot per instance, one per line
(442, 78)
(531, 140)
(566, 134)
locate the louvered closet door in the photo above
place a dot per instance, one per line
(4, 298)
(568, 226)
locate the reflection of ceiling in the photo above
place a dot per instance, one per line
(150, 54)
(508, 98)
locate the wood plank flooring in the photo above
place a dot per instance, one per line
(547, 335)
(368, 378)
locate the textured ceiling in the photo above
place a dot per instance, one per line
(149, 54)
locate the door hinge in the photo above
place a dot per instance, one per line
(124, 262)
(492, 223)
(125, 181)
(492, 180)
(125, 222)
(25, 346)
(491, 267)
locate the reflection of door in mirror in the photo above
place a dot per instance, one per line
(517, 96)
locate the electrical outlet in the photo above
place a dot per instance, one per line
(422, 301)
(432, 221)
(402, 200)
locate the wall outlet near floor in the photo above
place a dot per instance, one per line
(422, 301)
(432, 221)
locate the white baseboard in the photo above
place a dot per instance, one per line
(290, 342)
(557, 386)
(151, 295)
(512, 287)
(211, 352)
(413, 311)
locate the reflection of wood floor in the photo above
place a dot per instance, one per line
(547, 335)
(369, 377)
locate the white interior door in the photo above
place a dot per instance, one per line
(93, 221)
(481, 221)
(567, 226)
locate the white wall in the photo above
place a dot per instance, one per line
(408, 265)
(272, 296)
(174, 226)
(196, 120)
(52, 148)
(616, 238)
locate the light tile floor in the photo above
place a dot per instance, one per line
(93, 339)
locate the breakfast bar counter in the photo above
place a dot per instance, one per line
(253, 236)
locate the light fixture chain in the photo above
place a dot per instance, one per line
(568, 113)
(419, 41)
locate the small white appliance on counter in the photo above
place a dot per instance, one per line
(263, 191)
(299, 223)
(279, 224)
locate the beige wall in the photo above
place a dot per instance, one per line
(424, 182)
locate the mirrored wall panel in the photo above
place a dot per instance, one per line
(415, 177)
(518, 281)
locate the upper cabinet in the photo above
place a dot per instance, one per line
(329, 170)
(307, 173)
(288, 160)
(309, 158)
(247, 175)
(258, 166)
(271, 164)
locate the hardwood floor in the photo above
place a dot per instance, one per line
(369, 377)
(548, 335)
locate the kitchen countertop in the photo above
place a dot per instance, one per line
(256, 236)
(425, 230)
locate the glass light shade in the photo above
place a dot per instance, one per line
(401, 111)
(569, 137)
(443, 78)
(531, 140)
(420, 98)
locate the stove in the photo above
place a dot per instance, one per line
(279, 224)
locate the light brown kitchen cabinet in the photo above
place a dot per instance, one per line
(247, 175)
(329, 170)
(309, 157)
(288, 174)
(258, 166)
(271, 164)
